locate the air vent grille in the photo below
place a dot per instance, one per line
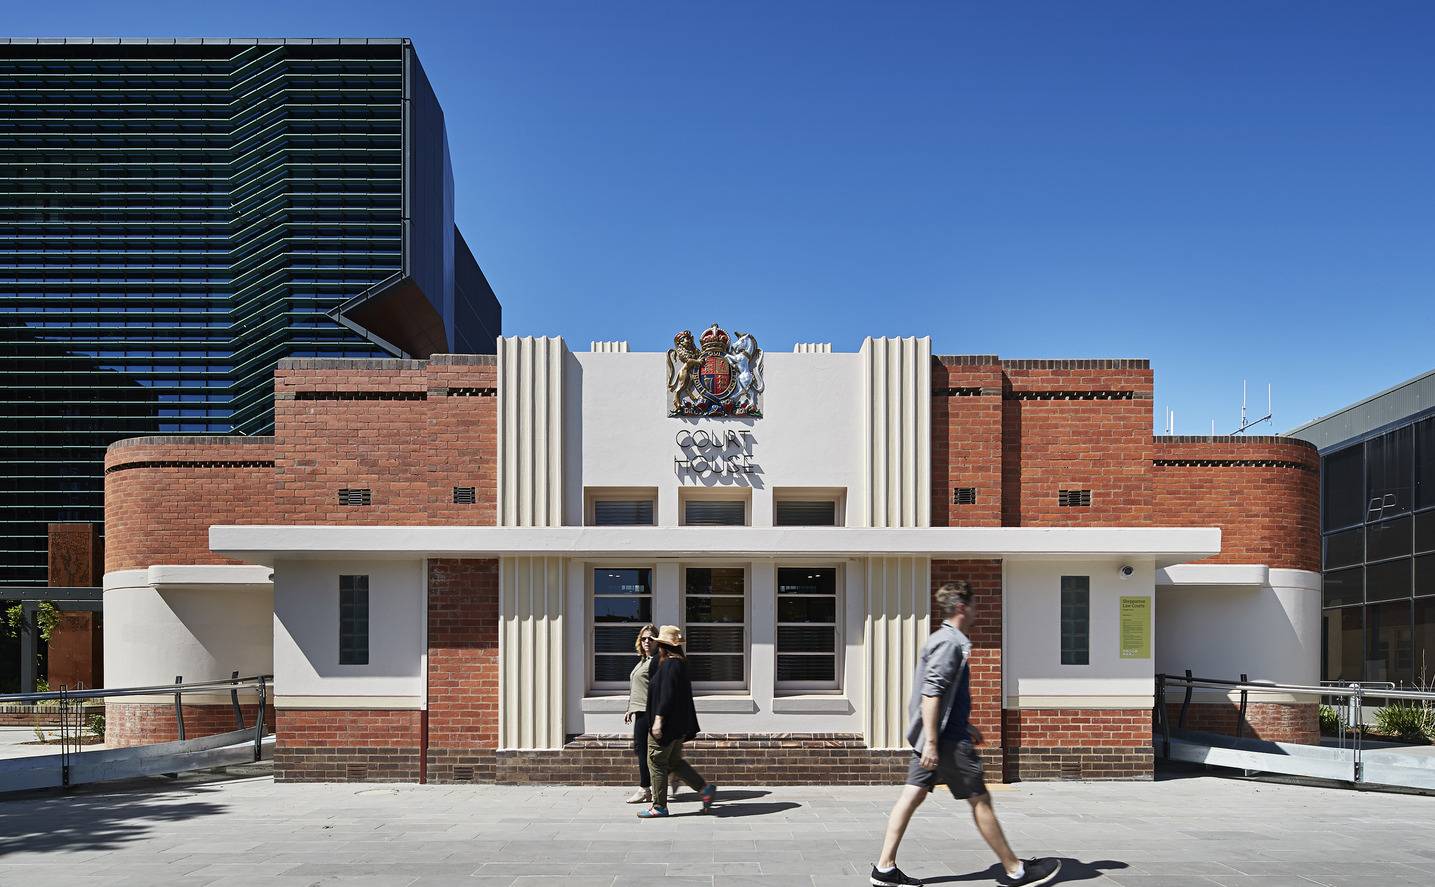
(465, 495)
(964, 495)
(463, 774)
(356, 772)
(1074, 498)
(356, 497)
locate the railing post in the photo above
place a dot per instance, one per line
(1185, 703)
(1241, 717)
(234, 700)
(64, 738)
(259, 721)
(1162, 719)
(1357, 716)
(178, 707)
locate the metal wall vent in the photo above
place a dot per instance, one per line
(1074, 498)
(356, 772)
(463, 774)
(465, 495)
(964, 495)
(356, 497)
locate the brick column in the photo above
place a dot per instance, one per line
(462, 670)
(985, 579)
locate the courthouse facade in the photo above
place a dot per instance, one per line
(444, 562)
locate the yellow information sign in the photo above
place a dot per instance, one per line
(1136, 627)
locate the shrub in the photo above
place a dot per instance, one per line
(1329, 720)
(1412, 723)
(96, 724)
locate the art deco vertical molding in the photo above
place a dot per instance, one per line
(898, 622)
(897, 379)
(530, 431)
(530, 494)
(530, 699)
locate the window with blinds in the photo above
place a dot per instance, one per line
(807, 638)
(622, 512)
(715, 513)
(622, 605)
(715, 610)
(805, 513)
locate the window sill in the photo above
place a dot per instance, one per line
(605, 704)
(739, 705)
(827, 705)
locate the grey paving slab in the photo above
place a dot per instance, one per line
(1188, 832)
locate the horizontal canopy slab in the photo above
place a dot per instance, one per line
(266, 544)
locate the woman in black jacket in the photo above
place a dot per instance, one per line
(674, 721)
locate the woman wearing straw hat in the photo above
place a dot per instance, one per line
(637, 713)
(674, 721)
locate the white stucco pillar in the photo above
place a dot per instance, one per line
(898, 622)
(532, 597)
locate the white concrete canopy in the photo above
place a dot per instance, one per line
(262, 544)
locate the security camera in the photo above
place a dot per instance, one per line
(1127, 571)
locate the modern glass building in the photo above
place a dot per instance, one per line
(177, 215)
(1378, 534)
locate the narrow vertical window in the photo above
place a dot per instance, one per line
(1075, 620)
(353, 620)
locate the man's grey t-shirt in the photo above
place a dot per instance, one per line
(942, 672)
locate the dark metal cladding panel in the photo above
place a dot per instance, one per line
(429, 191)
(478, 316)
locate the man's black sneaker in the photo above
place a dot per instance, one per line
(891, 878)
(1038, 872)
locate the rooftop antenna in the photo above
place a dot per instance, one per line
(1248, 423)
(1170, 422)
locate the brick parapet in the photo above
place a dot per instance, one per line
(966, 422)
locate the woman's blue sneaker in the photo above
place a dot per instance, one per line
(707, 794)
(652, 812)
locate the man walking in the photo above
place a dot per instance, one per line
(943, 749)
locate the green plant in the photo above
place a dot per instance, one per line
(1329, 720)
(45, 615)
(39, 731)
(1412, 723)
(96, 723)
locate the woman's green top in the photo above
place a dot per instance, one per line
(638, 692)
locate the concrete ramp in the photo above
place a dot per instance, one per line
(1378, 767)
(106, 765)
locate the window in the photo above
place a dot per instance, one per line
(715, 611)
(622, 605)
(1387, 643)
(807, 640)
(1341, 587)
(622, 512)
(1387, 581)
(1387, 473)
(1425, 464)
(1387, 539)
(1075, 620)
(715, 512)
(1343, 488)
(1344, 549)
(804, 513)
(1342, 633)
(353, 620)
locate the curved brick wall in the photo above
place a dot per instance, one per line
(163, 493)
(1263, 492)
(142, 723)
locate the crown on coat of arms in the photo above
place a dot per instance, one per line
(714, 340)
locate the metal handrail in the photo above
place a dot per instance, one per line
(227, 684)
(1305, 689)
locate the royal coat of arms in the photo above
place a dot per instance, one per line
(717, 376)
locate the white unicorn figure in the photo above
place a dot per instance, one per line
(745, 358)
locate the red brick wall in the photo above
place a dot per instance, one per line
(1043, 744)
(985, 579)
(347, 745)
(1263, 492)
(395, 427)
(162, 494)
(1271, 721)
(142, 723)
(462, 665)
(1077, 424)
(967, 439)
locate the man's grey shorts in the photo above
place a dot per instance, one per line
(958, 768)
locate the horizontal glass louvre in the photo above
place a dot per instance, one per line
(622, 605)
(715, 610)
(807, 643)
(805, 513)
(353, 620)
(622, 512)
(715, 513)
(1075, 620)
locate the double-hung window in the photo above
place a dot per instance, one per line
(808, 642)
(622, 605)
(715, 611)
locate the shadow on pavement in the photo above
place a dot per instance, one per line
(722, 795)
(1072, 870)
(722, 810)
(102, 817)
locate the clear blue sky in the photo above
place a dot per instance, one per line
(1240, 190)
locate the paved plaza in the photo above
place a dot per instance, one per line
(1195, 831)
